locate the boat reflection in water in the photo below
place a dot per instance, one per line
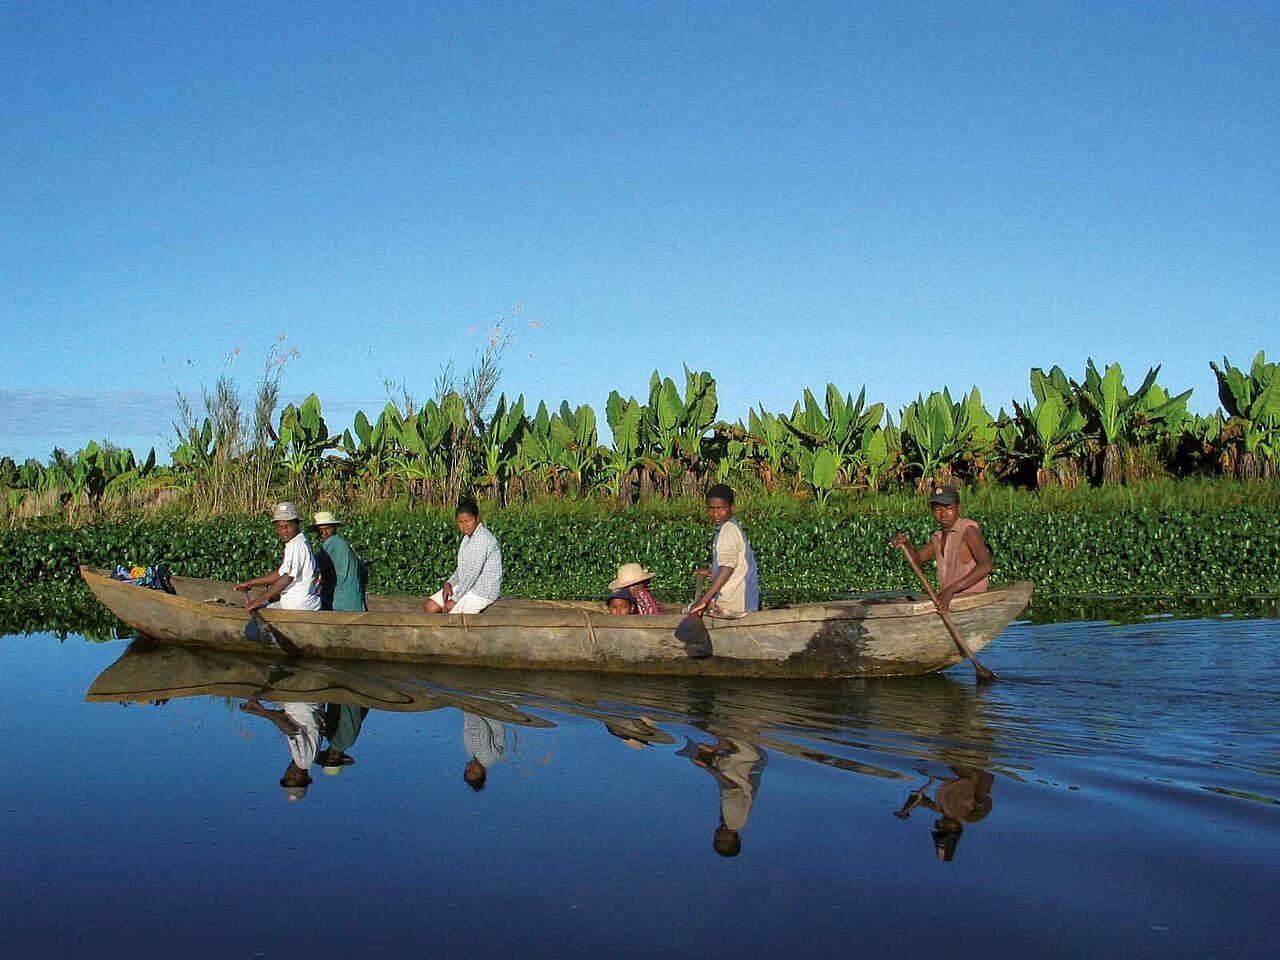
(891, 730)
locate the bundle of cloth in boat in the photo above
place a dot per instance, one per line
(155, 576)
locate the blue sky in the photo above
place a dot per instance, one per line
(902, 195)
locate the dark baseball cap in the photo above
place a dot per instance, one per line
(945, 495)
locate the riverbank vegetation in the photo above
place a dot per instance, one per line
(1086, 487)
(832, 450)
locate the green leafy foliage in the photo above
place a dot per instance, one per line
(1217, 551)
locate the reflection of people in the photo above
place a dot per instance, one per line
(300, 724)
(477, 580)
(963, 558)
(485, 740)
(637, 732)
(295, 582)
(736, 765)
(341, 572)
(635, 580)
(966, 798)
(734, 588)
(342, 725)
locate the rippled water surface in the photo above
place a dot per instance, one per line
(1118, 794)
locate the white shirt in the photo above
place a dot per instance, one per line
(300, 563)
(304, 744)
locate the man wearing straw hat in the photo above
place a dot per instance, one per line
(635, 579)
(341, 571)
(293, 586)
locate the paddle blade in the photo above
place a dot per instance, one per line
(257, 632)
(692, 632)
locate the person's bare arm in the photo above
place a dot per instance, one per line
(922, 554)
(277, 586)
(282, 721)
(721, 578)
(247, 585)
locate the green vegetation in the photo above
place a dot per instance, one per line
(1172, 539)
(229, 461)
(1087, 488)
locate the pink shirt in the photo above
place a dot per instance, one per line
(646, 602)
(954, 559)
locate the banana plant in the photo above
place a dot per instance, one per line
(35, 476)
(938, 433)
(877, 449)
(839, 427)
(1051, 432)
(620, 461)
(1252, 402)
(123, 472)
(196, 449)
(728, 450)
(575, 442)
(88, 472)
(499, 445)
(1118, 419)
(368, 453)
(304, 437)
(675, 426)
(819, 470)
(563, 446)
(424, 454)
(772, 447)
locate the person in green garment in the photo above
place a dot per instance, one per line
(342, 573)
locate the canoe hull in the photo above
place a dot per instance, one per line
(853, 638)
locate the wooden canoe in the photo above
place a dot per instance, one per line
(846, 638)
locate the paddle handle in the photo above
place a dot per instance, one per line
(984, 673)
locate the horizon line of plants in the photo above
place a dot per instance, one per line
(1069, 433)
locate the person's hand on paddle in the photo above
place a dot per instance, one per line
(900, 539)
(945, 596)
(699, 607)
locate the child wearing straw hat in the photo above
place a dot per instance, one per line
(635, 579)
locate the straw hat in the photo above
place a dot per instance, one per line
(285, 510)
(325, 519)
(628, 574)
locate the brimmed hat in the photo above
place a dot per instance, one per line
(285, 510)
(325, 519)
(945, 495)
(628, 574)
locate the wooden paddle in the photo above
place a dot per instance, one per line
(985, 674)
(692, 632)
(258, 630)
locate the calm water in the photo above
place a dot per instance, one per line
(1118, 795)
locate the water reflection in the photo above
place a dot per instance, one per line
(343, 723)
(299, 723)
(728, 728)
(736, 764)
(964, 797)
(486, 743)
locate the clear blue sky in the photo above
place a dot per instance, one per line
(902, 195)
